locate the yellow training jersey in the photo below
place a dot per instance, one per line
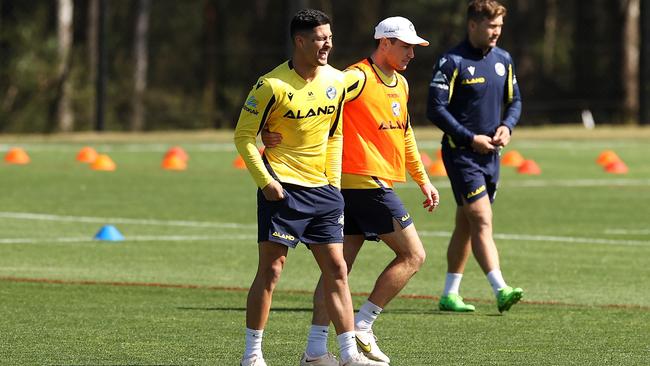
(378, 141)
(307, 114)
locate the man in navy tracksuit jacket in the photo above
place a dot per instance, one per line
(470, 85)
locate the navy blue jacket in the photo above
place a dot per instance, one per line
(468, 90)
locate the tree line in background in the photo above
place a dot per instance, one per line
(189, 64)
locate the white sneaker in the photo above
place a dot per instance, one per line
(327, 359)
(367, 344)
(253, 361)
(361, 360)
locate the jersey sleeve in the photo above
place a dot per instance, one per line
(512, 98)
(252, 118)
(335, 146)
(355, 80)
(413, 161)
(441, 91)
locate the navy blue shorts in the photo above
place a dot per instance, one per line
(472, 175)
(307, 215)
(370, 212)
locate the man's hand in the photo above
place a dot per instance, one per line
(483, 144)
(432, 196)
(271, 139)
(273, 191)
(501, 137)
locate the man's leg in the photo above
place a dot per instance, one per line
(317, 339)
(457, 256)
(479, 215)
(338, 301)
(271, 262)
(409, 257)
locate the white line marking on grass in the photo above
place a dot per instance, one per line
(122, 220)
(549, 183)
(547, 238)
(627, 232)
(516, 237)
(127, 239)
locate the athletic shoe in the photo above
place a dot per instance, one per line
(327, 359)
(367, 344)
(453, 302)
(507, 297)
(361, 360)
(253, 361)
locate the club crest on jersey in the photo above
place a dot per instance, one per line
(330, 92)
(500, 69)
(397, 109)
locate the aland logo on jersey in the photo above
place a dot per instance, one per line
(300, 114)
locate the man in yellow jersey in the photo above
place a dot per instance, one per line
(378, 147)
(298, 197)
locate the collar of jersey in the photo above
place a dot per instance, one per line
(385, 79)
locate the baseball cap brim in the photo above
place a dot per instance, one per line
(413, 39)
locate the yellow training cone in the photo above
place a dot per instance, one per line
(104, 163)
(174, 162)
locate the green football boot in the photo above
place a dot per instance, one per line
(453, 302)
(507, 297)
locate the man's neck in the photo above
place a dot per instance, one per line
(381, 63)
(484, 50)
(306, 70)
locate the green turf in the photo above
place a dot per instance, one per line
(575, 238)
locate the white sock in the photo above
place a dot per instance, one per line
(253, 343)
(347, 345)
(496, 280)
(452, 283)
(367, 315)
(317, 341)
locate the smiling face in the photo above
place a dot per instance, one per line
(485, 33)
(314, 47)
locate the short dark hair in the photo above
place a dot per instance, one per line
(477, 10)
(392, 40)
(306, 20)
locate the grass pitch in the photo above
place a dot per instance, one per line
(575, 238)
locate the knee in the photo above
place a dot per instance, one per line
(270, 273)
(337, 271)
(415, 259)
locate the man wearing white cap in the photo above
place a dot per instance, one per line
(378, 147)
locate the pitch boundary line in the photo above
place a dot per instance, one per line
(129, 238)
(51, 281)
(205, 224)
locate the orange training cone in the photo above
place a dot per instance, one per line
(616, 167)
(607, 157)
(103, 162)
(17, 156)
(529, 167)
(437, 169)
(174, 162)
(178, 151)
(426, 160)
(86, 155)
(512, 158)
(239, 163)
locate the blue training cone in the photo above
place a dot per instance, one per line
(109, 233)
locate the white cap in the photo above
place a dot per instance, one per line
(400, 28)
